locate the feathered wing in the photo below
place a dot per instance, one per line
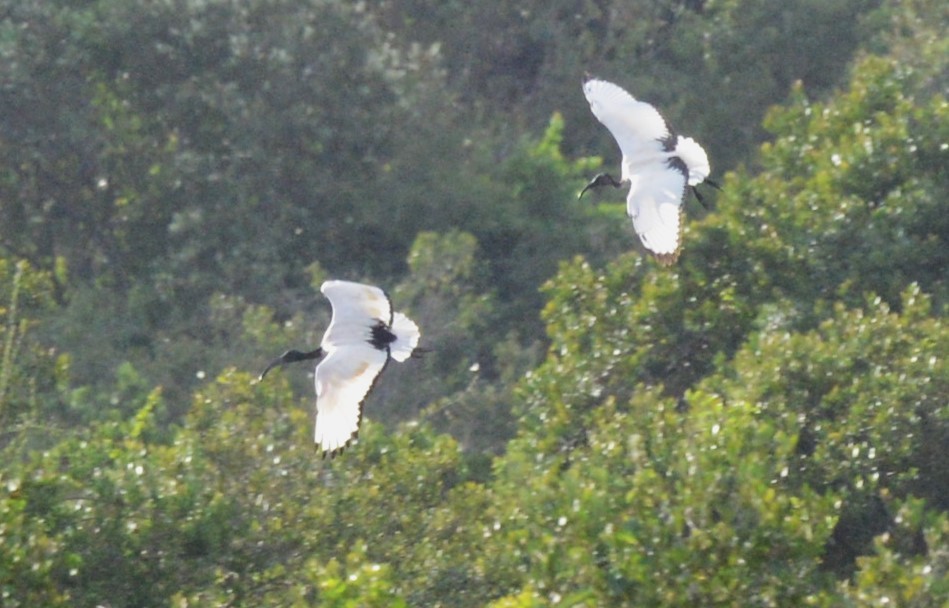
(636, 126)
(657, 172)
(655, 205)
(355, 307)
(343, 380)
(695, 159)
(406, 334)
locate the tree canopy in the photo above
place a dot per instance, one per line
(763, 424)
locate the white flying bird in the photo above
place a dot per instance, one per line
(657, 166)
(363, 335)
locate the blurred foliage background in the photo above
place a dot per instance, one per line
(764, 424)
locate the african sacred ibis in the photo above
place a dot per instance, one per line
(363, 335)
(657, 166)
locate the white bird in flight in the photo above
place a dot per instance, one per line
(363, 335)
(657, 166)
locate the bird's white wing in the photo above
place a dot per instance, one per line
(655, 205)
(634, 124)
(356, 308)
(343, 379)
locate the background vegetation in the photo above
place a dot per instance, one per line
(764, 424)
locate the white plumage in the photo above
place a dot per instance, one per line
(363, 335)
(353, 361)
(657, 166)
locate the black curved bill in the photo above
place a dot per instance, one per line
(291, 356)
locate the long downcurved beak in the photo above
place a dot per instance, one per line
(585, 188)
(275, 363)
(603, 179)
(291, 356)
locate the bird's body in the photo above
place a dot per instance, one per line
(363, 335)
(657, 166)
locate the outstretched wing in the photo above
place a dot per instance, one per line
(636, 126)
(655, 205)
(343, 380)
(356, 308)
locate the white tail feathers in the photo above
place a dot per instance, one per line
(406, 337)
(694, 158)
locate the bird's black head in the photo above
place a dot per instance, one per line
(603, 179)
(292, 356)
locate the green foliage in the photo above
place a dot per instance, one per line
(550, 224)
(788, 465)
(866, 394)
(760, 425)
(661, 506)
(235, 507)
(898, 571)
(521, 209)
(28, 376)
(847, 423)
(761, 51)
(447, 292)
(850, 187)
(365, 585)
(13, 331)
(27, 557)
(713, 67)
(869, 390)
(525, 599)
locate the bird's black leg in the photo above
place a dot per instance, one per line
(603, 179)
(699, 197)
(419, 352)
